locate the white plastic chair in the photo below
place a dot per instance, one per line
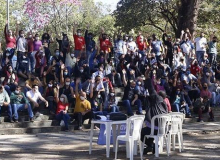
(163, 124)
(133, 132)
(176, 121)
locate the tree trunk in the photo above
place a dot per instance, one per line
(187, 16)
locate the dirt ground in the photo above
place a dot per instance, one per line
(75, 145)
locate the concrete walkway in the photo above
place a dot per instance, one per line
(74, 146)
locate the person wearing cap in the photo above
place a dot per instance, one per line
(5, 102)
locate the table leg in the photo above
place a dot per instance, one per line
(108, 136)
(91, 137)
(114, 134)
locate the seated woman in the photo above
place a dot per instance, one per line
(112, 102)
(62, 108)
(51, 93)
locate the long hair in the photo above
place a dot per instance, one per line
(65, 98)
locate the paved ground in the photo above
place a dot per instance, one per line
(199, 145)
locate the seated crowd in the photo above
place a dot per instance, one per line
(183, 72)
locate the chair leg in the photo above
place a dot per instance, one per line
(173, 141)
(131, 146)
(141, 150)
(182, 146)
(169, 142)
(179, 142)
(156, 147)
(135, 147)
(167, 146)
(116, 149)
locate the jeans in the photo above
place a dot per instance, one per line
(178, 108)
(200, 55)
(213, 99)
(89, 54)
(127, 104)
(32, 61)
(212, 58)
(114, 109)
(65, 117)
(9, 110)
(20, 107)
(10, 88)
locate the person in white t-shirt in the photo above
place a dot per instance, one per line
(201, 43)
(33, 96)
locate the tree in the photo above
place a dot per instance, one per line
(179, 14)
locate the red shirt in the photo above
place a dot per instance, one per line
(204, 93)
(79, 42)
(194, 69)
(141, 45)
(40, 60)
(30, 43)
(61, 107)
(10, 42)
(105, 44)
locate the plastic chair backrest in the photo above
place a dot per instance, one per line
(134, 126)
(176, 122)
(180, 115)
(163, 123)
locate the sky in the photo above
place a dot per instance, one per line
(113, 3)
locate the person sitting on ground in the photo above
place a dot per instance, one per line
(82, 109)
(62, 108)
(19, 102)
(33, 96)
(202, 105)
(5, 102)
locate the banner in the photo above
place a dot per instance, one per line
(102, 134)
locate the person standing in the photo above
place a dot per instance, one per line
(201, 43)
(212, 50)
(79, 41)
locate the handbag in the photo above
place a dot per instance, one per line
(117, 116)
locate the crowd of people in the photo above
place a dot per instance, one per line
(159, 76)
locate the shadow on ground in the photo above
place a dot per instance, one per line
(74, 145)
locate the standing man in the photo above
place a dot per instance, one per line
(79, 41)
(167, 40)
(90, 43)
(212, 49)
(201, 43)
(157, 47)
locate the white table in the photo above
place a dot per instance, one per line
(108, 125)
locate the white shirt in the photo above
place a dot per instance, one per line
(186, 47)
(132, 46)
(21, 44)
(200, 44)
(33, 95)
